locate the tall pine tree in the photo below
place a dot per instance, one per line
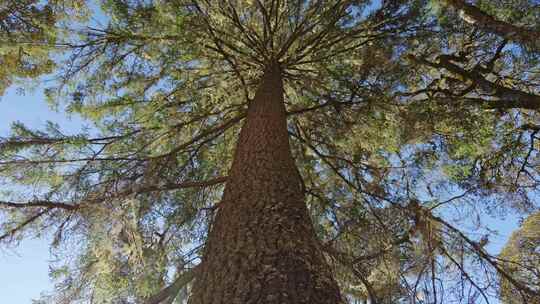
(266, 151)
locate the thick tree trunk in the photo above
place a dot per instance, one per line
(262, 246)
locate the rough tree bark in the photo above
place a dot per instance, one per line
(262, 247)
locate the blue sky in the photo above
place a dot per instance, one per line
(24, 272)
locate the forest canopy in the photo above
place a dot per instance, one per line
(411, 124)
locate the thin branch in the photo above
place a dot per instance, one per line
(24, 224)
(135, 190)
(38, 204)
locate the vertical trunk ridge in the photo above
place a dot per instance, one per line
(262, 247)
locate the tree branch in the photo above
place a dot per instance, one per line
(508, 97)
(39, 204)
(167, 294)
(475, 16)
(134, 190)
(24, 224)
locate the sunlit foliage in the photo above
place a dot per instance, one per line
(410, 122)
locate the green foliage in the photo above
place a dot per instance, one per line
(521, 257)
(389, 103)
(28, 33)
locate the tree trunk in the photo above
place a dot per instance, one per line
(262, 247)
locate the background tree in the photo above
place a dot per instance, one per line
(373, 135)
(522, 258)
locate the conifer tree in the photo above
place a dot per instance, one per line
(267, 151)
(521, 258)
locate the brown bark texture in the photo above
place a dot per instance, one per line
(262, 247)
